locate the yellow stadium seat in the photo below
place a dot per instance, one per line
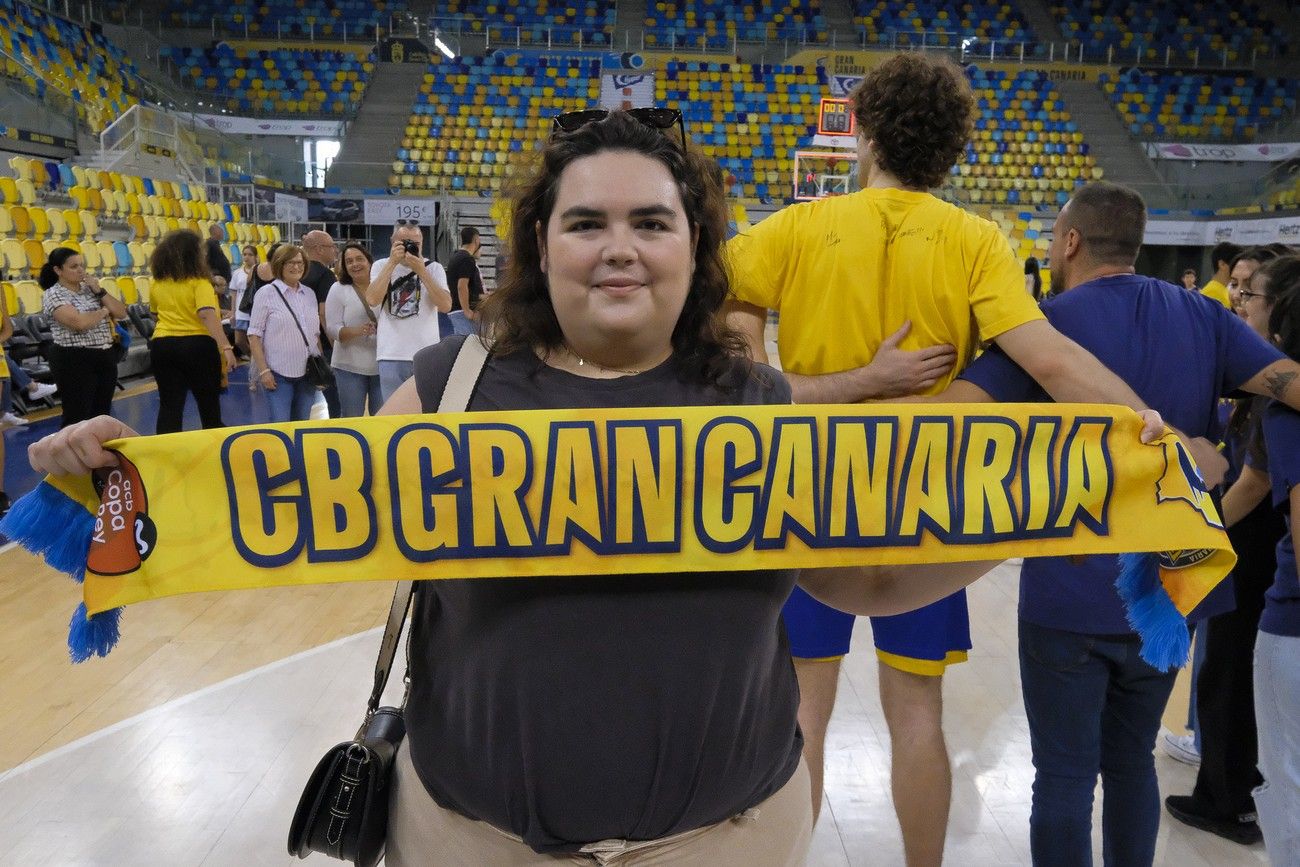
(21, 167)
(9, 191)
(49, 245)
(109, 285)
(29, 294)
(79, 175)
(142, 286)
(141, 259)
(6, 222)
(10, 298)
(15, 257)
(89, 224)
(107, 258)
(73, 221)
(90, 253)
(58, 225)
(35, 251)
(21, 219)
(126, 286)
(26, 191)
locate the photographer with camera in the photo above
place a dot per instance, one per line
(410, 291)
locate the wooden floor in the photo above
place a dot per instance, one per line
(190, 743)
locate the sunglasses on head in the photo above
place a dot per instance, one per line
(655, 118)
(415, 223)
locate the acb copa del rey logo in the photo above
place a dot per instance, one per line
(124, 534)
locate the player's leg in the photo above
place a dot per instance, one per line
(819, 638)
(914, 649)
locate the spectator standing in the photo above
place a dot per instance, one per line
(279, 349)
(189, 349)
(466, 282)
(83, 358)
(1092, 703)
(322, 253)
(217, 259)
(239, 284)
(1033, 279)
(352, 324)
(1217, 287)
(411, 291)
(1189, 280)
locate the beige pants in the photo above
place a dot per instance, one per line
(776, 833)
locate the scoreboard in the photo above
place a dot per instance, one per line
(835, 118)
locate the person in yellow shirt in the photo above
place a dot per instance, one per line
(881, 293)
(1217, 288)
(189, 349)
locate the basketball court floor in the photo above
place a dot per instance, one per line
(190, 743)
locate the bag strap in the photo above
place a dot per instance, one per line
(465, 373)
(294, 317)
(365, 305)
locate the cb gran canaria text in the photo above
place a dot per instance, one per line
(651, 485)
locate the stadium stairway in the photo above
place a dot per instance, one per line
(1120, 157)
(364, 162)
(1038, 15)
(631, 17)
(839, 17)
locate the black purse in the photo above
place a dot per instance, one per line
(318, 372)
(343, 811)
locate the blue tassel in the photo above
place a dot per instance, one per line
(1152, 614)
(93, 636)
(51, 524)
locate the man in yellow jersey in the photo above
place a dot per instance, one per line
(885, 292)
(1217, 288)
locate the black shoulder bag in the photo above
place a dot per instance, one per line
(343, 812)
(318, 371)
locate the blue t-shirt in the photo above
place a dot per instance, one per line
(1180, 352)
(1282, 601)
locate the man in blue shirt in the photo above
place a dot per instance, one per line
(1092, 703)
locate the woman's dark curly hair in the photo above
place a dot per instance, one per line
(1280, 281)
(180, 255)
(519, 314)
(920, 111)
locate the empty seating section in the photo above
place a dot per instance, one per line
(1025, 149)
(718, 23)
(281, 81)
(1198, 107)
(113, 219)
(322, 19)
(473, 113)
(1204, 27)
(944, 22)
(569, 22)
(71, 59)
(1028, 231)
(750, 118)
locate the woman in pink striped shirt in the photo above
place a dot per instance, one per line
(283, 329)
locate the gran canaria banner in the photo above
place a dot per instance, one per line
(607, 492)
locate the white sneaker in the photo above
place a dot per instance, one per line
(42, 390)
(12, 420)
(1180, 748)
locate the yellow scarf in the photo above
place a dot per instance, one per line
(617, 491)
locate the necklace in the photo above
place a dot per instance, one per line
(582, 362)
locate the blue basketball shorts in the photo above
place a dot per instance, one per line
(924, 641)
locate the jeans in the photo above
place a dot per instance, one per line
(20, 377)
(354, 389)
(292, 398)
(1093, 707)
(1277, 713)
(392, 374)
(1198, 630)
(462, 324)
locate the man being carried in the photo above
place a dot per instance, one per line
(885, 292)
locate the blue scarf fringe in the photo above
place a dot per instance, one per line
(52, 525)
(93, 636)
(1151, 613)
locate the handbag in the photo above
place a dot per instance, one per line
(318, 372)
(343, 811)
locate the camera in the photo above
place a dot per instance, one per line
(411, 247)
